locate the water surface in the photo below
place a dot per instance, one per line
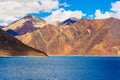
(60, 68)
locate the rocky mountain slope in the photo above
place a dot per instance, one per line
(24, 25)
(40, 38)
(9, 46)
(84, 37)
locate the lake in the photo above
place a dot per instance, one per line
(60, 68)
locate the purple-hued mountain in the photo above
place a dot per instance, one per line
(69, 21)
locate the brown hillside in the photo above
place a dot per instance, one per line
(85, 37)
(10, 46)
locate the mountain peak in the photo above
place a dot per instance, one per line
(112, 18)
(69, 21)
(73, 18)
(26, 24)
(28, 17)
(33, 17)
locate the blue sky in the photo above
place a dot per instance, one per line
(88, 7)
(58, 10)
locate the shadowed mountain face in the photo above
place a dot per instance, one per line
(11, 32)
(26, 27)
(10, 46)
(84, 37)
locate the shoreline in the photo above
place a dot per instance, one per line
(53, 56)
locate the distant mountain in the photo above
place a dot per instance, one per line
(69, 21)
(84, 37)
(25, 24)
(9, 46)
(1, 26)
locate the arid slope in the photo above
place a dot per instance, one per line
(84, 37)
(9, 46)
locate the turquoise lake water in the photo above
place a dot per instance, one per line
(60, 68)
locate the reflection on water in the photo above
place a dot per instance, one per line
(60, 68)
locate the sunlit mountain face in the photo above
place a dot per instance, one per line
(75, 37)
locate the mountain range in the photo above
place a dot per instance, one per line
(96, 37)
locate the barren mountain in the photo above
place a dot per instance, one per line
(9, 46)
(69, 21)
(1, 26)
(24, 25)
(84, 37)
(40, 38)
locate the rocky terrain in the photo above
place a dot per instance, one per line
(74, 37)
(70, 37)
(9, 46)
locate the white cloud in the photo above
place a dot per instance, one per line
(64, 4)
(114, 12)
(48, 5)
(11, 9)
(62, 14)
(100, 15)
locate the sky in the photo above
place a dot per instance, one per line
(58, 10)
